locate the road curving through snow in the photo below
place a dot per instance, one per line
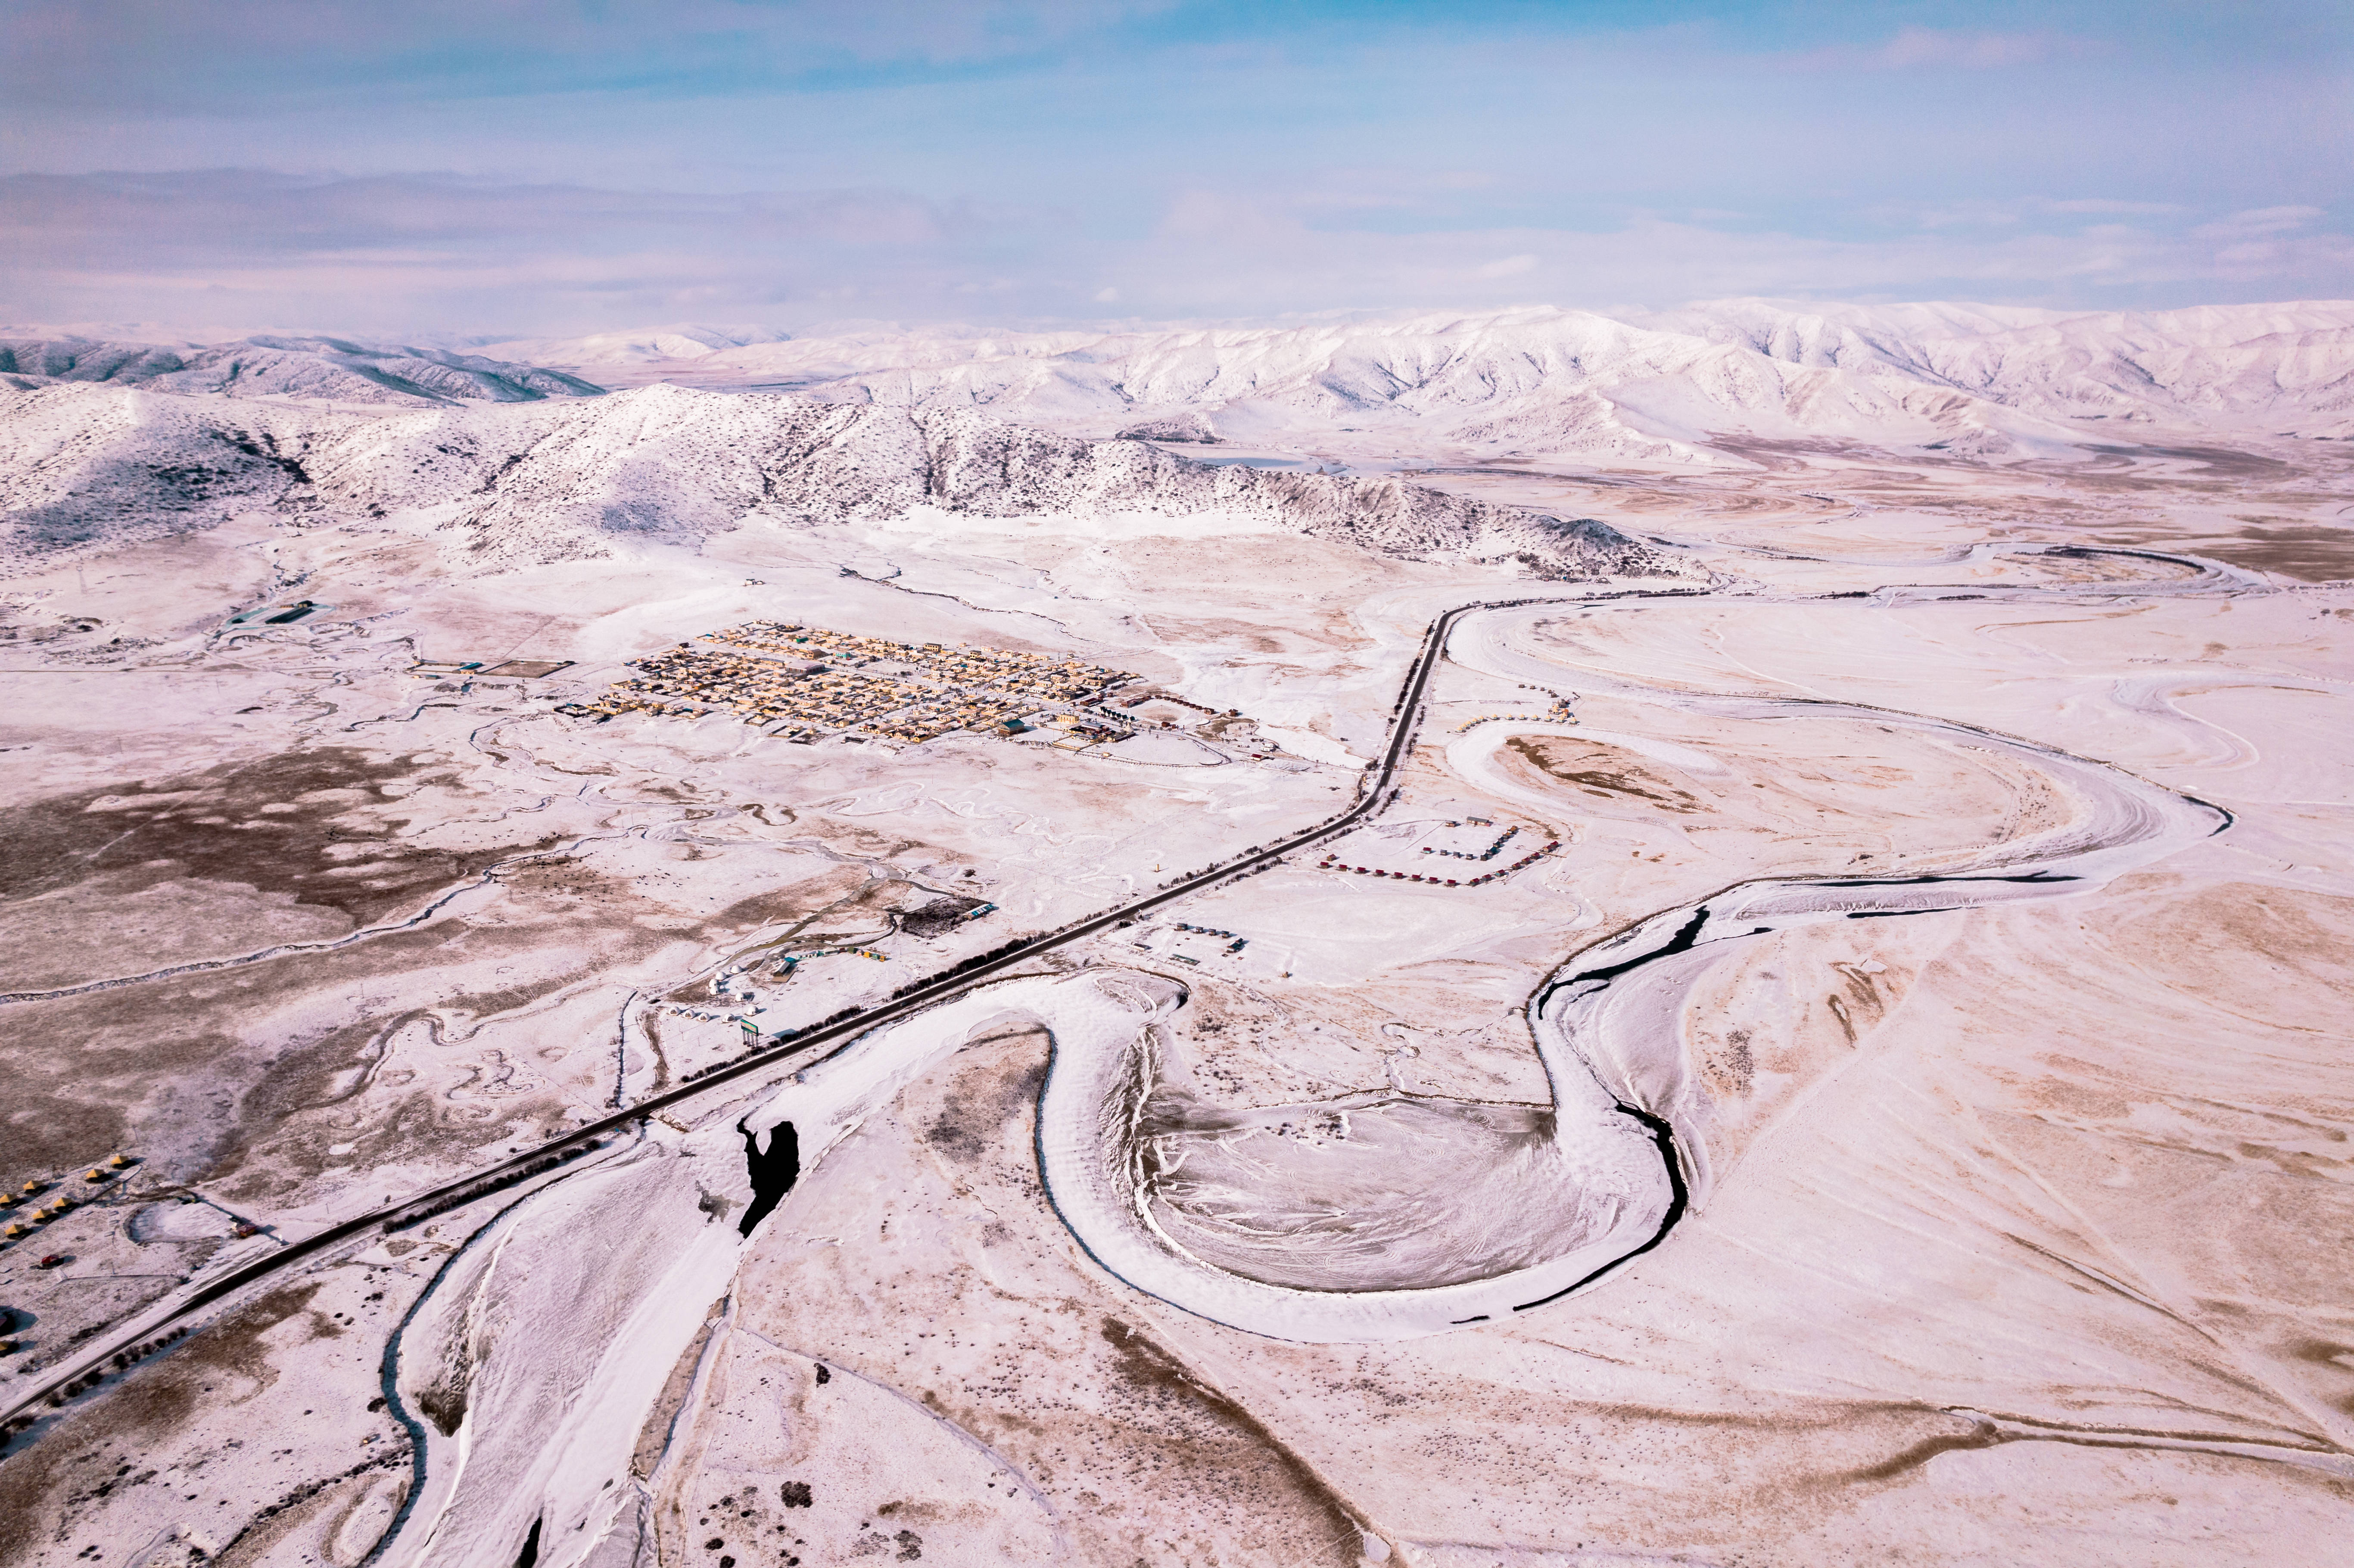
(1611, 1163)
(1621, 1152)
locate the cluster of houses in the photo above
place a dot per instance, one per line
(1490, 852)
(826, 684)
(1223, 944)
(955, 710)
(26, 1207)
(764, 691)
(1039, 676)
(1078, 734)
(1234, 944)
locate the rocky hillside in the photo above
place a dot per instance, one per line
(565, 479)
(323, 369)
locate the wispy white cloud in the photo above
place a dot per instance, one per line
(1971, 51)
(604, 164)
(2107, 206)
(2262, 220)
(2012, 212)
(1510, 267)
(1660, 261)
(1917, 48)
(389, 257)
(151, 57)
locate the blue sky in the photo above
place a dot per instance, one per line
(540, 167)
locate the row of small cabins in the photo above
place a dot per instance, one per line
(1333, 862)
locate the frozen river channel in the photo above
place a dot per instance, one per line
(1467, 1214)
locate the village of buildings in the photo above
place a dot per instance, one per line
(805, 683)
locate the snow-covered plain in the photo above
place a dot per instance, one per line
(1902, 1118)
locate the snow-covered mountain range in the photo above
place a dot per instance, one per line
(519, 463)
(324, 368)
(513, 484)
(1700, 385)
(637, 347)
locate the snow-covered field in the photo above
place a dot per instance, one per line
(1873, 1091)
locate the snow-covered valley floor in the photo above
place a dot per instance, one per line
(1832, 1052)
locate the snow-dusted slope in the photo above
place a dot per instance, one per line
(635, 347)
(329, 370)
(529, 468)
(559, 480)
(89, 464)
(1695, 386)
(2263, 367)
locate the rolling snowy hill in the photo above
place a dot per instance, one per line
(568, 479)
(329, 370)
(1697, 386)
(642, 345)
(105, 440)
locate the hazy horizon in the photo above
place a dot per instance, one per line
(494, 343)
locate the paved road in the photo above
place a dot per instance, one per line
(1373, 794)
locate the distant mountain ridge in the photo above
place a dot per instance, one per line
(568, 479)
(330, 369)
(105, 441)
(1700, 385)
(637, 345)
(1712, 383)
